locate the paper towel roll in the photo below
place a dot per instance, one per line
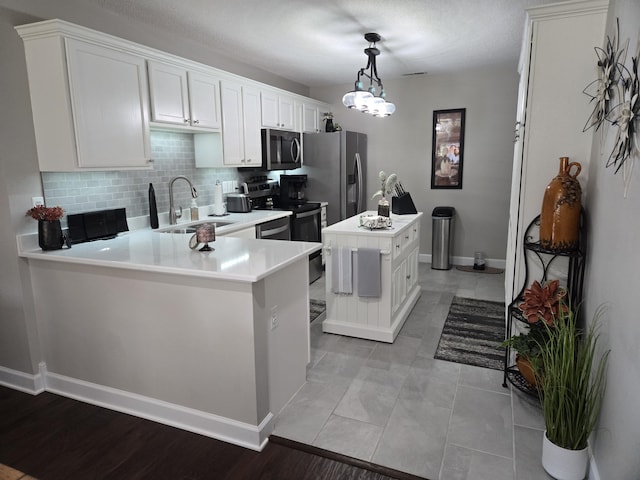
(218, 204)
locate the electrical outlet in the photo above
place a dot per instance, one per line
(37, 201)
(274, 317)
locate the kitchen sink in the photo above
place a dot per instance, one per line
(192, 228)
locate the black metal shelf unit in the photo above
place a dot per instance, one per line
(534, 252)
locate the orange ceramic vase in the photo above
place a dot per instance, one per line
(560, 215)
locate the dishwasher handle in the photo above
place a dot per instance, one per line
(273, 231)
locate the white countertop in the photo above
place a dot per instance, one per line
(352, 225)
(234, 259)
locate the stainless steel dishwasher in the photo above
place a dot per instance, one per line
(274, 229)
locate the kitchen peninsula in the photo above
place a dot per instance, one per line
(211, 342)
(375, 318)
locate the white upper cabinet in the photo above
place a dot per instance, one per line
(277, 110)
(311, 118)
(181, 97)
(95, 97)
(204, 100)
(89, 101)
(108, 92)
(241, 145)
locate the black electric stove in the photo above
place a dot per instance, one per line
(305, 217)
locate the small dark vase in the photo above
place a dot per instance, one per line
(50, 235)
(328, 126)
(383, 207)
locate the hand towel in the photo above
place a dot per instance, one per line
(341, 274)
(369, 281)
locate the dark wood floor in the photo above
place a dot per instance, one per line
(51, 437)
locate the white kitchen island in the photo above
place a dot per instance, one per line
(214, 343)
(379, 318)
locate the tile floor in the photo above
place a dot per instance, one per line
(395, 405)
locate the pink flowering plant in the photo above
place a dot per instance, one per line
(45, 213)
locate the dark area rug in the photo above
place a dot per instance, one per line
(472, 333)
(469, 268)
(316, 308)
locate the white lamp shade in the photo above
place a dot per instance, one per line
(356, 99)
(374, 104)
(385, 110)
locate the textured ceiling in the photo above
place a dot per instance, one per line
(319, 42)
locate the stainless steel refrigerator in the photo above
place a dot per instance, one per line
(336, 166)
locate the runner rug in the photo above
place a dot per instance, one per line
(472, 333)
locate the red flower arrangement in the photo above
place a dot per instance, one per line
(45, 213)
(543, 302)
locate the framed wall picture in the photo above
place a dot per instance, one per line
(448, 148)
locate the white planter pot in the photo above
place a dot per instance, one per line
(564, 464)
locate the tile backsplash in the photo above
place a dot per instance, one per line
(173, 154)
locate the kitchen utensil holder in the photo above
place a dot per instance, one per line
(403, 204)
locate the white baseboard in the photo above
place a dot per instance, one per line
(208, 424)
(490, 262)
(24, 382)
(593, 468)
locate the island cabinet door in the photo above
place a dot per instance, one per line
(351, 308)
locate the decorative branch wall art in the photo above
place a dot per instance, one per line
(601, 90)
(615, 95)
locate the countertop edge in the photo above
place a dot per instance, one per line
(50, 256)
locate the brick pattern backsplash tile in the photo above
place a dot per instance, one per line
(173, 154)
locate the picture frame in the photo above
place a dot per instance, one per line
(447, 150)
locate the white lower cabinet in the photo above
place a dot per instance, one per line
(378, 318)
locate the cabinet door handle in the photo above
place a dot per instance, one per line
(196, 122)
(186, 120)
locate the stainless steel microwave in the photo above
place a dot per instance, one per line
(281, 149)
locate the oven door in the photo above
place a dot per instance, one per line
(274, 230)
(305, 227)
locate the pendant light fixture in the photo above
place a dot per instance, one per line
(363, 100)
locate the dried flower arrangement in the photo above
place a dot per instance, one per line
(543, 302)
(45, 213)
(387, 184)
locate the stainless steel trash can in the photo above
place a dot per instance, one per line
(442, 219)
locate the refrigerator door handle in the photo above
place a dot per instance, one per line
(360, 201)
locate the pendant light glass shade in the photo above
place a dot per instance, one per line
(385, 110)
(356, 98)
(366, 100)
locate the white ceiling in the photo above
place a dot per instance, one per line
(321, 42)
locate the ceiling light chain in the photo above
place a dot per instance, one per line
(363, 100)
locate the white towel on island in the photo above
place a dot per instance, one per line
(368, 269)
(341, 270)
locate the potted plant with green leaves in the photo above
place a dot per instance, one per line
(528, 352)
(572, 380)
(541, 304)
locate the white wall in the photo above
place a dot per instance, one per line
(19, 179)
(612, 277)
(402, 144)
